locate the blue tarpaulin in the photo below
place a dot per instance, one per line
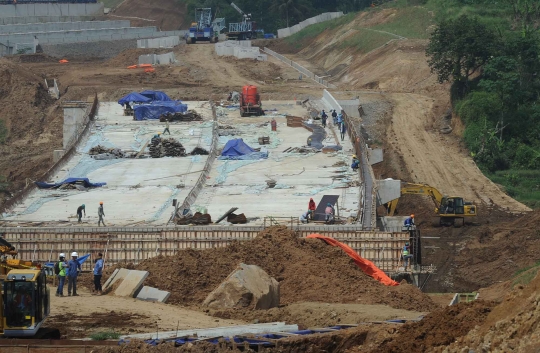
(84, 181)
(156, 95)
(236, 149)
(133, 97)
(155, 110)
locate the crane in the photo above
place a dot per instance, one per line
(447, 208)
(202, 29)
(247, 29)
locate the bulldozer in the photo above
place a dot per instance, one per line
(447, 208)
(25, 296)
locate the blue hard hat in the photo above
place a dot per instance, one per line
(329, 204)
(83, 205)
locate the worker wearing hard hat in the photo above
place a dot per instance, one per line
(407, 256)
(80, 210)
(166, 127)
(101, 214)
(409, 222)
(74, 267)
(60, 271)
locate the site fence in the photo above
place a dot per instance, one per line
(69, 152)
(133, 245)
(192, 196)
(285, 32)
(299, 68)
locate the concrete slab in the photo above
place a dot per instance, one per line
(388, 190)
(118, 275)
(375, 155)
(131, 284)
(153, 294)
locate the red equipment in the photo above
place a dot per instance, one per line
(250, 102)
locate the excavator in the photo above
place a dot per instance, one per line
(25, 296)
(447, 208)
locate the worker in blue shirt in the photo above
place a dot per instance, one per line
(74, 267)
(98, 272)
(409, 222)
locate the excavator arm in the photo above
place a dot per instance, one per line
(419, 189)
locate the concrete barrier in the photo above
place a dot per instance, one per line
(164, 42)
(61, 26)
(241, 49)
(42, 19)
(50, 9)
(285, 32)
(155, 59)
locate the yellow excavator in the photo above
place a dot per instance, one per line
(25, 296)
(447, 208)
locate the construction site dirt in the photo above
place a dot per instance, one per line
(320, 285)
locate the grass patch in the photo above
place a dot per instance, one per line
(106, 335)
(522, 185)
(410, 22)
(492, 13)
(299, 39)
(364, 40)
(525, 275)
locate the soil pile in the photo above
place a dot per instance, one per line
(513, 325)
(307, 269)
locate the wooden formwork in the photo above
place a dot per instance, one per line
(134, 245)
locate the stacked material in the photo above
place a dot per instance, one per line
(101, 150)
(173, 148)
(156, 150)
(190, 115)
(199, 151)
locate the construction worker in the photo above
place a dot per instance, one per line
(329, 213)
(101, 214)
(334, 116)
(343, 130)
(166, 127)
(74, 267)
(339, 119)
(311, 208)
(355, 163)
(98, 272)
(304, 218)
(323, 118)
(406, 255)
(409, 222)
(80, 210)
(61, 265)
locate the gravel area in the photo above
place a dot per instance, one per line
(89, 50)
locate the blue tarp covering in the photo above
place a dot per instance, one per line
(236, 149)
(133, 97)
(156, 95)
(86, 183)
(155, 110)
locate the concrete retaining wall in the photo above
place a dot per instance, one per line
(285, 32)
(138, 243)
(49, 9)
(164, 42)
(241, 49)
(350, 106)
(43, 19)
(155, 59)
(61, 26)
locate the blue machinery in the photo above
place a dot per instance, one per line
(203, 29)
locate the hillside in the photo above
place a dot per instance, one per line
(383, 50)
(167, 15)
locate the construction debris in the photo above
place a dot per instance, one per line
(156, 149)
(100, 150)
(190, 115)
(199, 151)
(196, 219)
(237, 219)
(173, 148)
(295, 121)
(265, 140)
(305, 149)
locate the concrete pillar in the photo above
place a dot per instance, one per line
(73, 120)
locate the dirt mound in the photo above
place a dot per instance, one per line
(166, 15)
(511, 326)
(131, 56)
(307, 269)
(33, 121)
(438, 329)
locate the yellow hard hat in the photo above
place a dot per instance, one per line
(354, 156)
(159, 133)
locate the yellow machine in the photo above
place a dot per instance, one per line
(447, 208)
(25, 296)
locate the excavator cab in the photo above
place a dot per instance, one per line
(26, 302)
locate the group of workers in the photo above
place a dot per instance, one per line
(101, 213)
(71, 270)
(310, 213)
(338, 121)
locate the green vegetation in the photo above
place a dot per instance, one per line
(411, 22)
(525, 275)
(523, 185)
(299, 39)
(105, 335)
(365, 40)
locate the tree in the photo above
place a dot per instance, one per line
(296, 8)
(458, 48)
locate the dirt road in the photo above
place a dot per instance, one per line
(81, 316)
(435, 158)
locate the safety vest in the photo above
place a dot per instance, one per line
(405, 250)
